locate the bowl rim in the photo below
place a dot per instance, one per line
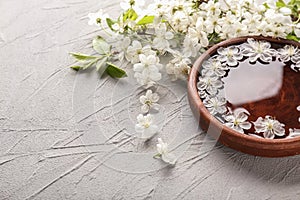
(272, 144)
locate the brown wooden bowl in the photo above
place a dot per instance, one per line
(225, 135)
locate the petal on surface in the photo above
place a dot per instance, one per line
(143, 99)
(154, 97)
(144, 108)
(169, 158)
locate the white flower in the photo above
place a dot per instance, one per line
(230, 23)
(230, 55)
(179, 67)
(161, 42)
(97, 18)
(269, 127)
(210, 83)
(163, 152)
(135, 49)
(275, 17)
(289, 53)
(212, 8)
(233, 30)
(237, 120)
(120, 44)
(213, 66)
(215, 105)
(180, 21)
(293, 133)
(258, 50)
(197, 34)
(211, 24)
(145, 126)
(135, 4)
(149, 100)
(147, 71)
(252, 21)
(190, 48)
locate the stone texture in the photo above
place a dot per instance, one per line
(67, 135)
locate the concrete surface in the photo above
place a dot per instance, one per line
(65, 135)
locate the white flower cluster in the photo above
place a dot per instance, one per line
(210, 84)
(183, 28)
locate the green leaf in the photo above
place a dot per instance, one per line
(130, 14)
(146, 20)
(292, 36)
(76, 68)
(280, 4)
(101, 46)
(110, 23)
(114, 71)
(82, 57)
(294, 3)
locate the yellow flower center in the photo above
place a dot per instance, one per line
(148, 102)
(236, 122)
(270, 126)
(291, 51)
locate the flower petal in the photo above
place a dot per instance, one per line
(168, 158)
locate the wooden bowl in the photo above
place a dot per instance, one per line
(230, 137)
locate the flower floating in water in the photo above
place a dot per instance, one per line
(215, 105)
(293, 133)
(269, 127)
(289, 53)
(213, 66)
(237, 120)
(210, 83)
(230, 55)
(258, 50)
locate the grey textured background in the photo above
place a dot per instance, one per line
(71, 136)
